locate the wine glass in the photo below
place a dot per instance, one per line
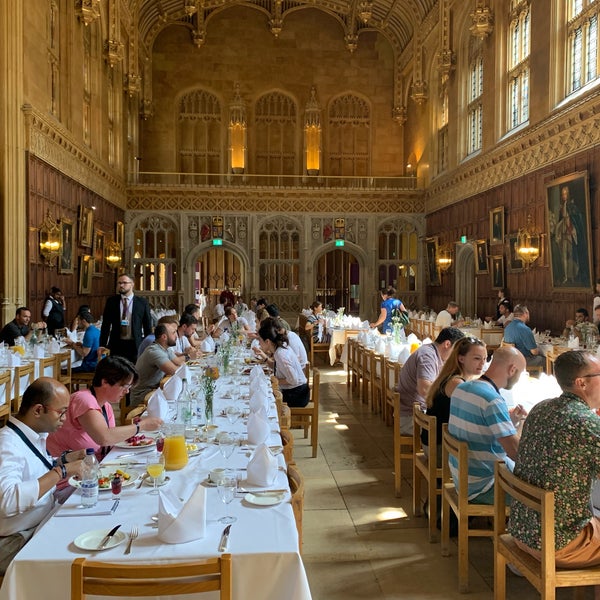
(232, 413)
(155, 467)
(226, 445)
(226, 489)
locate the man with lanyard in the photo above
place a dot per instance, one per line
(479, 416)
(28, 474)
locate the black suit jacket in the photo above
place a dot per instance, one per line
(141, 322)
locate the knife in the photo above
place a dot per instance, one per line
(224, 539)
(107, 537)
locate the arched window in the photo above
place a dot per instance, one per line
(519, 35)
(155, 255)
(279, 254)
(582, 35)
(443, 132)
(349, 133)
(275, 131)
(475, 96)
(199, 133)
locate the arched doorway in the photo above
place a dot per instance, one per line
(218, 269)
(337, 281)
(465, 280)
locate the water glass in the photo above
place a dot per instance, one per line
(226, 489)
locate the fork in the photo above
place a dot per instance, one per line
(132, 535)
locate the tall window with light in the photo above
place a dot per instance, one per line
(519, 48)
(443, 132)
(582, 29)
(475, 100)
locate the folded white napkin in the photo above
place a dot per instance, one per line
(72, 335)
(184, 373)
(172, 388)
(259, 428)
(207, 344)
(258, 401)
(158, 405)
(403, 354)
(574, 343)
(258, 386)
(38, 351)
(412, 338)
(262, 468)
(380, 346)
(256, 371)
(180, 522)
(14, 359)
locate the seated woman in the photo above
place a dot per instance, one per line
(312, 323)
(88, 347)
(90, 420)
(466, 362)
(287, 369)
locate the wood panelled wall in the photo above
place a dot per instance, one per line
(471, 217)
(47, 189)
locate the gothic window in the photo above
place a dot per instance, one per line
(475, 99)
(110, 93)
(155, 255)
(443, 132)
(199, 133)
(87, 84)
(582, 29)
(276, 121)
(398, 256)
(518, 62)
(279, 255)
(349, 145)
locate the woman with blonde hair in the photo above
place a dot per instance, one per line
(466, 362)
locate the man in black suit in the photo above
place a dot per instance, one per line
(126, 321)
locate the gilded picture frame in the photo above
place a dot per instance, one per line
(433, 270)
(86, 226)
(98, 252)
(86, 271)
(481, 257)
(497, 274)
(497, 225)
(67, 248)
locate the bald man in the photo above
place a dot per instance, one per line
(479, 415)
(28, 474)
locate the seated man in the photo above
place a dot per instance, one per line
(479, 416)
(560, 451)
(581, 327)
(506, 314)
(420, 371)
(19, 326)
(157, 360)
(447, 317)
(149, 339)
(185, 330)
(88, 347)
(28, 475)
(517, 333)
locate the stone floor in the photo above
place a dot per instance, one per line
(360, 541)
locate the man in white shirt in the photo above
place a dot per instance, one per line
(187, 328)
(506, 315)
(28, 474)
(446, 318)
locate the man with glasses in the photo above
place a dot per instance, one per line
(560, 451)
(126, 321)
(28, 474)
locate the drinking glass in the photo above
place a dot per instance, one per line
(226, 445)
(232, 413)
(226, 489)
(155, 467)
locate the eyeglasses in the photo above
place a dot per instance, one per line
(590, 375)
(125, 282)
(125, 386)
(61, 413)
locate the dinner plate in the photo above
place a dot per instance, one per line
(150, 482)
(133, 476)
(265, 498)
(90, 540)
(147, 443)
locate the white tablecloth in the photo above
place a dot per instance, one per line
(263, 540)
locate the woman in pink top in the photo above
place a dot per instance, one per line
(90, 420)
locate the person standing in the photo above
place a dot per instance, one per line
(126, 321)
(54, 310)
(389, 303)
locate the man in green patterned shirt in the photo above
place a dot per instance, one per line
(560, 451)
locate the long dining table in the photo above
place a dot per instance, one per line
(263, 540)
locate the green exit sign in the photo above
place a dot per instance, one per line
(463, 239)
(217, 242)
(339, 242)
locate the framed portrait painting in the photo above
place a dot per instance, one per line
(481, 257)
(497, 264)
(65, 261)
(433, 270)
(497, 225)
(98, 252)
(515, 262)
(569, 231)
(86, 270)
(86, 226)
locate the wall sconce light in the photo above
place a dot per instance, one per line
(237, 132)
(50, 244)
(444, 258)
(114, 255)
(312, 134)
(528, 243)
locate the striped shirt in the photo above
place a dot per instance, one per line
(479, 416)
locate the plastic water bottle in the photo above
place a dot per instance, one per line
(90, 471)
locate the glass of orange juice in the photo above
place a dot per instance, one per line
(155, 467)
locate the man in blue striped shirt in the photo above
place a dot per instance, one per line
(479, 415)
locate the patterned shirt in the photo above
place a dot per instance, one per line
(479, 416)
(559, 451)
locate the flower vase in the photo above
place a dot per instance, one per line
(208, 407)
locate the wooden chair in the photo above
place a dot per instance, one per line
(400, 442)
(391, 374)
(306, 370)
(308, 416)
(5, 385)
(543, 575)
(376, 372)
(296, 481)
(173, 579)
(425, 468)
(311, 346)
(350, 362)
(459, 503)
(504, 344)
(81, 380)
(24, 376)
(64, 368)
(138, 411)
(49, 367)
(287, 440)
(367, 376)
(359, 366)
